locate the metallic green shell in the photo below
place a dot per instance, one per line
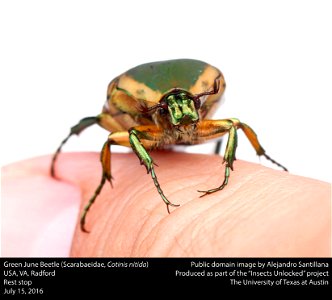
(165, 75)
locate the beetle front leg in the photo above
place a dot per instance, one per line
(219, 128)
(134, 138)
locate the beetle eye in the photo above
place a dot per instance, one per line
(197, 102)
(163, 105)
(163, 108)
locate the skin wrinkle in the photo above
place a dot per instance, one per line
(112, 218)
(172, 252)
(150, 239)
(201, 225)
(284, 211)
(175, 191)
(104, 244)
(312, 210)
(214, 233)
(163, 227)
(246, 232)
(198, 233)
(110, 224)
(187, 241)
(159, 234)
(190, 245)
(183, 229)
(191, 223)
(152, 211)
(203, 235)
(157, 206)
(98, 250)
(139, 240)
(123, 215)
(253, 209)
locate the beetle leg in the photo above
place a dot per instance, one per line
(151, 133)
(252, 137)
(104, 120)
(116, 138)
(77, 129)
(217, 149)
(215, 128)
(105, 159)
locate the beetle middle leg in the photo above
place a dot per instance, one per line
(215, 128)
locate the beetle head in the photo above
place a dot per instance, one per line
(181, 107)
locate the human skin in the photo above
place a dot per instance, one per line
(262, 212)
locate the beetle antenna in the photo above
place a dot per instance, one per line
(144, 109)
(216, 86)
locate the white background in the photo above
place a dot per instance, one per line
(57, 58)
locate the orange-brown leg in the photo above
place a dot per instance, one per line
(139, 139)
(208, 129)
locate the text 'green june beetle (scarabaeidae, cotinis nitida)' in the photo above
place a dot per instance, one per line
(159, 104)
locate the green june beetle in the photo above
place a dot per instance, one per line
(163, 103)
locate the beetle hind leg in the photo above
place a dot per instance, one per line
(252, 137)
(217, 148)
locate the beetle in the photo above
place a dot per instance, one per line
(163, 103)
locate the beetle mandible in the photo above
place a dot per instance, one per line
(163, 103)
